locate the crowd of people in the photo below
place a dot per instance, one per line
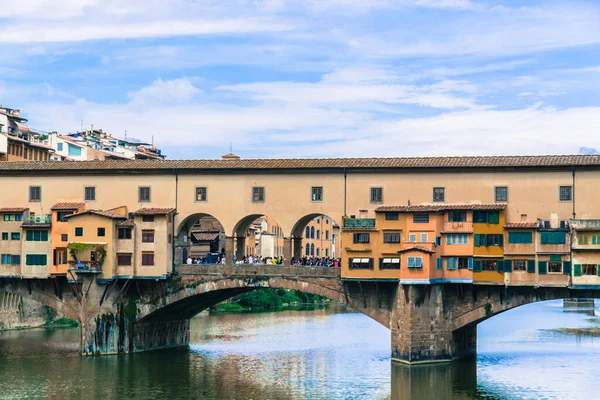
(304, 261)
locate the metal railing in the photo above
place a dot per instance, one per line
(38, 219)
(85, 265)
(251, 270)
(463, 226)
(359, 223)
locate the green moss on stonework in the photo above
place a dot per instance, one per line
(488, 310)
(130, 309)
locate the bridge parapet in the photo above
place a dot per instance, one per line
(250, 270)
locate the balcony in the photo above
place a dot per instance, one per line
(37, 221)
(359, 223)
(458, 227)
(79, 266)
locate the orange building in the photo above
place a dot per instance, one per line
(60, 235)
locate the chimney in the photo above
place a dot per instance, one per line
(230, 157)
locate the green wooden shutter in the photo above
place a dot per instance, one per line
(546, 238)
(380, 263)
(470, 264)
(44, 236)
(531, 266)
(598, 269)
(577, 270)
(476, 240)
(560, 237)
(29, 236)
(507, 265)
(567, 267)
(500, 265)
(501, 240)
(438, 264)
(493, 217)
(542, 267)
(476, 265)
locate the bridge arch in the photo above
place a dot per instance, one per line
(210, 237)
(65, 306)
(326, 238)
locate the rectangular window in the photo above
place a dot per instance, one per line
(489, 265)
(595, 239)
(457, 216)
(377, 195)
(125, 233)
(317, 193)
(18, 217)
(501, 194)
(318, 252)
(79, 231)
(36, 259)
(391, 237)
(15, 259)
(61, 216)
(391, 216)
(326, 252)
(582, 239)
(35, 193)
(64, 237)
(36, 236)
(361, 263)
(555, 267)
(457, 239)
(147, 236)
(415, 262)
(519, 265)
(589, 269)
(5, 259)
(439, 194)
(420, 218)
(101, 232)
(520, 237)
(553, 238)
(424, 238)
(258, 194)
(4, 235)
(9, 217)
(123, 259)
(147, 218)
(326, 235)
(318, 234)
(15, 236)
(494, 239)
(362, 237)
(565, 193)
(59, 146)
(148, 258)
(90, 193)
(451, 263)
(389, 263)
(144, 194)
(201, 194)
(412, 238)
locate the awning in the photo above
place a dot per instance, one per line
(22, 127)
(204, 236)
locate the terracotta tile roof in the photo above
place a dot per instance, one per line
(202, 236)
(67, 206)
(102, 213)
(521, 225)
(126, 223)
(416, 248)
(547, 161)
(13, 209)
(154, 211)
(441, 207)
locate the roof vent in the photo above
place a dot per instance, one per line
(230, 156)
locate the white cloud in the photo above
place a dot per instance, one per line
(165, 92)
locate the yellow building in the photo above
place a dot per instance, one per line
(586, 252)
(488, 242)
(60, 235)
(320, 238)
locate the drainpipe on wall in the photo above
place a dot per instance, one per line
(345, 180)
(173, 224)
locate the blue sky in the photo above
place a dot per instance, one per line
(310, 78)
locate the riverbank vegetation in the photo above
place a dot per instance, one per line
(269, 299)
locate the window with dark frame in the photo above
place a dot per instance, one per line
(123, 260)
(61, 216)
(147, 236)
(148, 258)
(421, 218)
(501, 194)
(489, 265)
(35, 193)
(457, 216)
(101, 232)
(391, 216)
(439, 195)
(258, 194)
(361, 263)
(144, 194)
(589, 269)
(125, 233)
(90, 193)
(15, 236)
(147, 218)
(519, 265)
(201, 193)
(64, 237)
(391, 237)
(565, 193)
(317, 193)
(555, 266)
(79, 231)
(362, 237)
(377, 195)
(389, 263)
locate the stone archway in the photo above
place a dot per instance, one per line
(209, 237)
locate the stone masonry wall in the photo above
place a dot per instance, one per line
(17, 312)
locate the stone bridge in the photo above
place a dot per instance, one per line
(428, 322)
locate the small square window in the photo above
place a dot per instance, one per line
(258, 194)
(125, 233)
(501, 194)
(64, 237)
(101, 232)
(424, 238)
(566, 193)
(148, 259)
(201, 194)
(317, 193)
(90, 193)
(439, 194)
(377, 195)
(144, 194)
(147, 218)
(391, 216)
(15, 236)
(78, 231)
(35, 193)
(4, 235)
(147, 236)
(123, 259)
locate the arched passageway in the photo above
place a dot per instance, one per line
(316, 239)
(200, 238)
(258, 239)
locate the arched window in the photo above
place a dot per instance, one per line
(312, 249)
(307, 235)
(312, 232)
(307, 252)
